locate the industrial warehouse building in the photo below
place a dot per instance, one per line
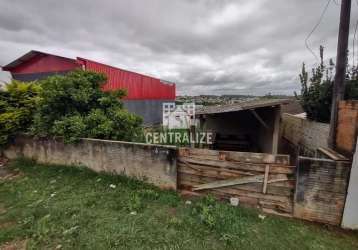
(145, 94)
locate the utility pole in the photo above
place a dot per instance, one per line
(341, 63)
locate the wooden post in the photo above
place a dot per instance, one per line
(276, 130)
(341, 63)
(192, 135)
(267, 170)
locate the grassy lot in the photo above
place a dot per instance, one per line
(54, 207)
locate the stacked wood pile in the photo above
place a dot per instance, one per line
(321, 189)
(261, 180)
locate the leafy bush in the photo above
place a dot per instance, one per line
(18, 102)
(316, 91)
(74, 106)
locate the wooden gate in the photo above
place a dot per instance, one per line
(260, 180)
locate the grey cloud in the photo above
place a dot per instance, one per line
(205, 46)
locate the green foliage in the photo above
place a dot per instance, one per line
(351, 91)
(74, 106)
(18, 101)
(85, 213)
(316, 91)
(135, 203)
(205, 210)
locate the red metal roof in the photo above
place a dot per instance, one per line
(37, 62)
(138, 86)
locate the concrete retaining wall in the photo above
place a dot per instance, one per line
(350, 215)
(304, 134)
(152, 163)
(321, 187)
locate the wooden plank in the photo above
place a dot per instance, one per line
(214, 170)
(333, 155)
(267, 170)
(263, 123)
(223, 174)
(230, 182)
(279, 205)
(273, 211)
(248, 157)
(277, 198)
(192, 180)
(227, 174)
(204, 168)
(239, 166)
(276, 130)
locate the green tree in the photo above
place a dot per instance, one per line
(316, 91)
(18, 102)
(74, 106)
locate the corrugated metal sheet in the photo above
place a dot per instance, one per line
(138, 86)
(244, 105)
(39, 62)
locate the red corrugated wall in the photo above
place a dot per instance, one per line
(138, 86)
(45, 63)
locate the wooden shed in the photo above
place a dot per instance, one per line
(251, 126)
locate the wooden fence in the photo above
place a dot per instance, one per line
(260, 180)
(321, 189)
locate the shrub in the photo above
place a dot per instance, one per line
(18, 102)
(316, 91)
(74, 106)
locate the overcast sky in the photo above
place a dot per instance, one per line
(204, 46)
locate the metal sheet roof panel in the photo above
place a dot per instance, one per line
(245, 105)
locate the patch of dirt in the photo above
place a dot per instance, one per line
(7, 224)
(14, 245)
(172, 211)
(188, 195)
(5, 172)
(2, 209)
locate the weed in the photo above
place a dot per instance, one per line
(134, 203)
(204, 208)
(86, 214)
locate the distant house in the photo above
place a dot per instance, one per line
(178, 116)
(145, 94)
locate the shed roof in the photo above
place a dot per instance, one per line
(245, 105)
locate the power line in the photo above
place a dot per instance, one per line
(354, 38)
(314, 28)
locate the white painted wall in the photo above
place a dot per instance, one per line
(350, 214)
